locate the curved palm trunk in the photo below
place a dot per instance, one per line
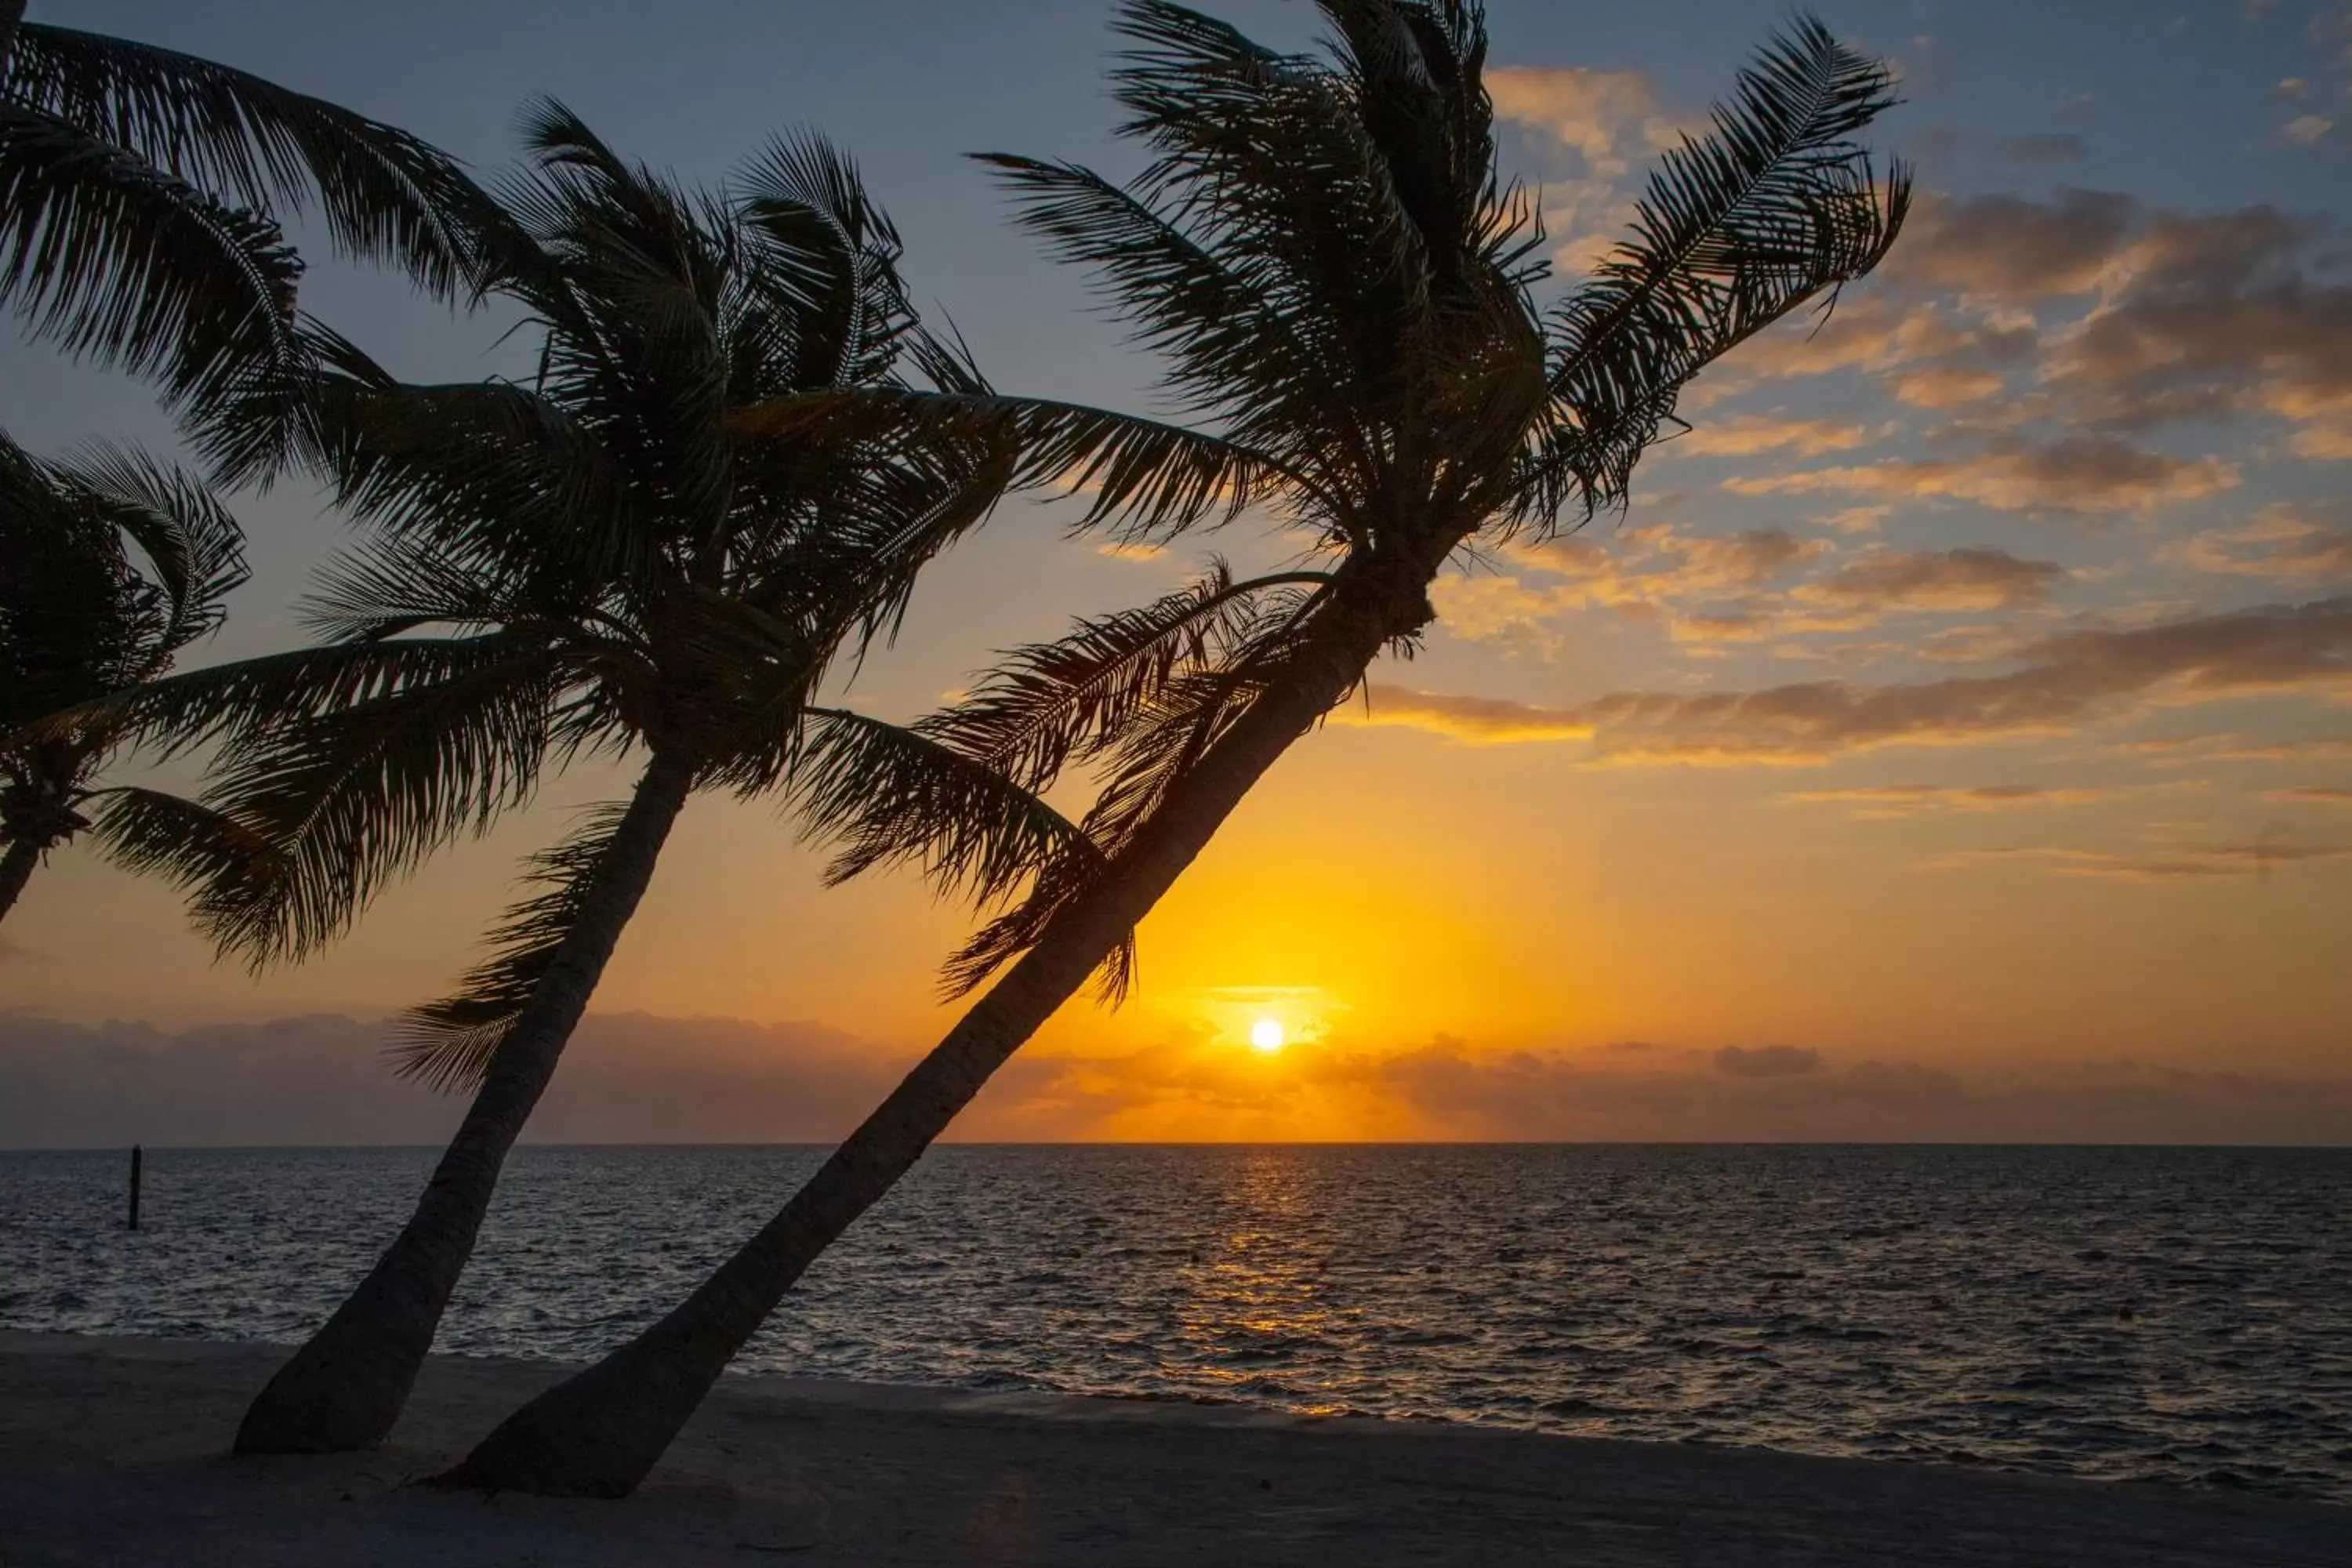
(599, 1432)
(345, 1388)
(15, 870)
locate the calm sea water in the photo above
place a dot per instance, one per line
(2182, 1315)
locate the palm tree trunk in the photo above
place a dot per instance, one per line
(15, 870)
(599, 1432)
(345, 1388)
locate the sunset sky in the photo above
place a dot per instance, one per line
(1953, 741)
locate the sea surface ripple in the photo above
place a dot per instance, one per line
(2182, 1316)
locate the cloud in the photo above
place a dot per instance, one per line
(1729, 587)
(2212, 314)
(2314, 795)
(1700, 587)
(2281, 543)
(2130, 317)
(1604, 115)
(2065, 681)
(1877, 802)
(1947, 386)
(2181, 751)
(2189, 864)
(2012, 249)
(2080, 473)
(1479, 721)
(2306, 130)
(1751, 434)
(1969, 579)
(641, 1078)
(626, 1077)
(1767, 1061)
(1450, 1088)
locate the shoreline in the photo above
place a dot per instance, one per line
(112, 1451)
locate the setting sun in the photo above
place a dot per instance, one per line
(1266, 1035)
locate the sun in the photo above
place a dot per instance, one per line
(1266, 1035)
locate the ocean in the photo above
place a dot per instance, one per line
(2172, 1315)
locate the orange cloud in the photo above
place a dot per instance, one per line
(2075, 473)
(1751, 434)
(1479, 721)
(1974, 579)
(1884, 801)
(2067, 681)
(2281, 543)
(2195, 863)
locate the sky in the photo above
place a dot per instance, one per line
(1953, 740)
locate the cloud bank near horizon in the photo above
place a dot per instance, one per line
(635, 1077)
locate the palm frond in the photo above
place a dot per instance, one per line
(448, 1044)
(824, 304)
(190, 540)
(1775, 205)
(117, 259)
(1143, 480)
(361, 794)
(1047, 702)
(385, 196)
(898, 795)
(206, 853)
(250, 697)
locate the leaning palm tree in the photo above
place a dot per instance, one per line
(140, 191)
(115, 565)
(1342, 287)
(591, 562)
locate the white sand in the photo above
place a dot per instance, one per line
(110, 1454)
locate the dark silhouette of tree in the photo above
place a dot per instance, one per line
(114, 565)
(1322, 253)
(597, 561)
(140, 195)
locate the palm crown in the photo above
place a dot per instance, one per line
(1340, 288)
(596, 560)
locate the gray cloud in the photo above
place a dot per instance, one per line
(2066, 680)
(2084, 473)
(1531, 1095)
(2282, 542)
(2012, 248)
(1969, 579)
(1884, 801)
(627, 1077)
(636, 1078)
(1767, 1061)
(2213, 313)
(2178, 863)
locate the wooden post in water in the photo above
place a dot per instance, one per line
(135, 1187)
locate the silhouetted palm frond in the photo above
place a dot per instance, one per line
(1775, 205)
(115, 259)
(448, 1044)
(1046, 703)
(385, 194)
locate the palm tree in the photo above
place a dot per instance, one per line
(596, 561)
(1342, 288)
(115, 565)
(139, 194)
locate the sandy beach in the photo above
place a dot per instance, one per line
(112, 1453)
